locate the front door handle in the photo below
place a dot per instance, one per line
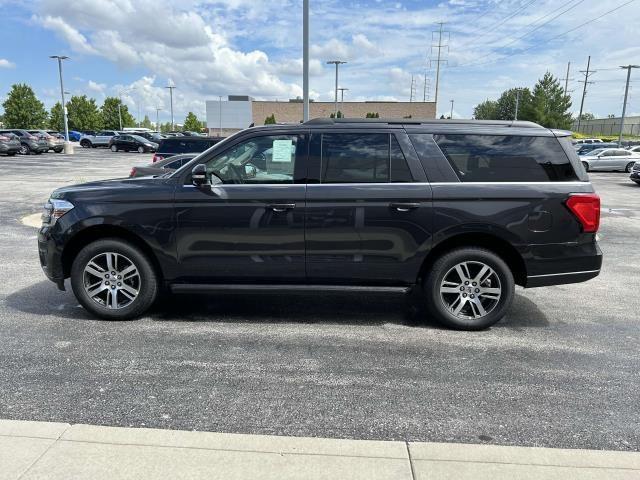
(404, 207)
(281, 207)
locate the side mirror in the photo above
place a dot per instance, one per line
(199, 175)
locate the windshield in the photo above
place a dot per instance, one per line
(597, 151)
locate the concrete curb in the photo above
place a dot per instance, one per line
(42, 450)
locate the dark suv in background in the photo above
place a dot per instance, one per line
(457, 211)
(177, 145)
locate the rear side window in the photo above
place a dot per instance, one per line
(184, 146)
(506, 158)
(363, 158)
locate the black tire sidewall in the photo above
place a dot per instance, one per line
(148, 277)
(442, 265)
(586, 166)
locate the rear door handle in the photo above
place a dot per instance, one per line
(404, 207)
(281, 207)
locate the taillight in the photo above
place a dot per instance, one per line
(3, 138)
(157, 158)
(586, 208)
(133, 172)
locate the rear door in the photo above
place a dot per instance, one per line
(368, 218)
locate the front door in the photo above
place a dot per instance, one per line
(247, 224)
(369, 216)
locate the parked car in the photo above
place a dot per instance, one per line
(53, 141)
(162, 167)
(28, 143)
(132, 142)
(75, 136)
(9, 143)
(635, 172)
(610, 159)
(153, 136)
(173, 146)
(582, 141)
(97, 139)
(586, 149)
(635, 148)
(457, 212)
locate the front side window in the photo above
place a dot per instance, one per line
(363, 158)
(506, 158)
(267, 159)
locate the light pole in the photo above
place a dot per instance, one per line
(220, 115)
(305, 60)
(451, 114)
(624, 105)
(342, 99)
(120, 104)
(515, 117)
(335, 103)
(67, 146)
(171, 87)
(158, 119)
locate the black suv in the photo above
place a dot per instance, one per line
(457, 211)
(177, 145)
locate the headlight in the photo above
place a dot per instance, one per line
(54, 209)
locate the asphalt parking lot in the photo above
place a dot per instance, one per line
(561, 370)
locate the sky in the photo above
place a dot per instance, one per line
(208, 48)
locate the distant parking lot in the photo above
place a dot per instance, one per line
(561, 370)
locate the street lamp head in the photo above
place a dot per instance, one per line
(61, 57)
(335, 62)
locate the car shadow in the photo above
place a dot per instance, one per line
(43, 298)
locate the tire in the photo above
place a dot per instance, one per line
(629, 167)
(24, 149)
(11, 154)
(499, 280)
(144, 281)
(586, 166)
(85, 144)
(114, 148)
(140, 149)
(60, 150)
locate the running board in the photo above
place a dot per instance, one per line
(306, 289)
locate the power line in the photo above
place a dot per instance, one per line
(548, 40)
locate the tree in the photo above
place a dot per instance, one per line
(146, 123)
(487, 110)
(83, 114)
(22, 109)
(56, 118)
(372, 115)
(550, 106)
(191, 123)
(333, 115)
(110, 118)
(506, 105)
(587, 116)
(166, 127)
(270, 120)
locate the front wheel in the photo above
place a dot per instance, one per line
(469, 288)
(25, 149)
(113, 279)
(85, 144)
(629, 167)
(140, 149)
(586, 166)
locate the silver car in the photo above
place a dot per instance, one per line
(610, 159)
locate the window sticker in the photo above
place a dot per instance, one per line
(282, 151)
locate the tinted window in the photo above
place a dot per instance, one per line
(502, 158)
(399, 168)
(185, 146)
(177, 164)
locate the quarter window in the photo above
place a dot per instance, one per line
(362, 158)
(506, 158)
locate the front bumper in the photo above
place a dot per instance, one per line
(9, 148)
(50, 256)
(635, 176)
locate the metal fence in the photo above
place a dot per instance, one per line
(607, 128)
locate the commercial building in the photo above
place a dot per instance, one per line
(225, 117)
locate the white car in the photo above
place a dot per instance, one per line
(635, 148)
(610, 159)
(582, 141)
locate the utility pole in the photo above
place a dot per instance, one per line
(412, 90)
(515, 117)
(566, 80)
(342, 99)
(220, 115)
(67, 146)
(451, 114)
(171, 87)
(336, 63)
(158, 118)
(119, 104)
(427, 87)
(624, 104)
(438, 61)
(586, 74)
(305, 60)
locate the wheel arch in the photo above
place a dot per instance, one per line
(491, 242)
(100, 232)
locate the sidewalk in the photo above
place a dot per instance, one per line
(40, 450)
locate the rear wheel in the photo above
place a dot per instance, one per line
(629, 167)
(85, 143)
(24, 149)
(114, 148)
(469, 288)
(586, 166)
(114, 279)
(140, 149)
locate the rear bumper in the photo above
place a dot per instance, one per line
(564, 263)
(4, 148)
(635, 176)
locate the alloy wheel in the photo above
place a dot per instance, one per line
(470, 290)
(112, 280)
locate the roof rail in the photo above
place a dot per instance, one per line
(416, 121)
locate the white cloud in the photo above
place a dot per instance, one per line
(4, 63)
